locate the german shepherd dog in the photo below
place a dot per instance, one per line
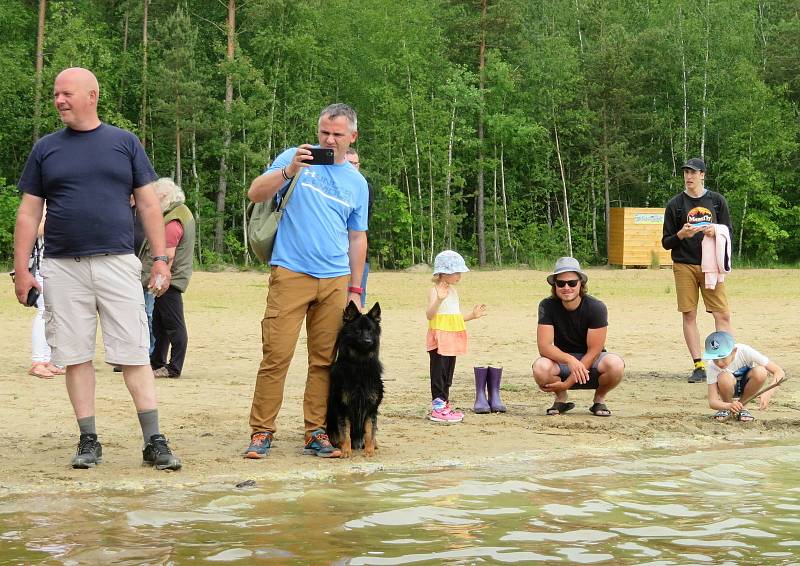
(356, 384)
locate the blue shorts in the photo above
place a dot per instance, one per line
(594, 373)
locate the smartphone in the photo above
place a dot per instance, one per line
(320, 156)
(33, 296)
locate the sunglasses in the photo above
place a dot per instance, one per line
(563, 283)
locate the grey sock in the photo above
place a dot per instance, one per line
(149, 423)
(86, 424)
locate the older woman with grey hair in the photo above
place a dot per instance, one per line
(169, 194)
(169, 325)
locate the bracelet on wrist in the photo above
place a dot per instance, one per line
(285, 176)
(356, 290)
(163, 258)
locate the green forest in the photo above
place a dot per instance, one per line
(505, 129)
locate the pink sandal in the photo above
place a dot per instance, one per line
(40, 370)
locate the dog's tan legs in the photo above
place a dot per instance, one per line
(369, 439)
(347, 448)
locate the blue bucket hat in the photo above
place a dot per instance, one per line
(718, 345)
(449, 262)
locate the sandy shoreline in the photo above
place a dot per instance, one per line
(205, 412)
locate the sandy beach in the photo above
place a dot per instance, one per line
(205, 412)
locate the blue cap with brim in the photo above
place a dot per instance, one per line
(718, 345)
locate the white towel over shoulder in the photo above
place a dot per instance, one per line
(716, 261)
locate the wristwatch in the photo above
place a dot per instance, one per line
(163, 258)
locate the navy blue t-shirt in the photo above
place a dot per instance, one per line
(571, 327)
(87, 179)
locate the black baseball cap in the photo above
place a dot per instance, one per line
(695, 163)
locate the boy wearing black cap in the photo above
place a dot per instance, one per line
(737, 371)
(689, 216)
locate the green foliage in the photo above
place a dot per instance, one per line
(9, 203)
(631, 89)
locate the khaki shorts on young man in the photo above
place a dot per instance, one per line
(81, 288)
(690, 283)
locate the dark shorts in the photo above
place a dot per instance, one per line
(741, 381)
(594, 373)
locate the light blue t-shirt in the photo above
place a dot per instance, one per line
(327, 201)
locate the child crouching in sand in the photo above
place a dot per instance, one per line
(737, 372)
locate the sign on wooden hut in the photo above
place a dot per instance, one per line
(635, 238)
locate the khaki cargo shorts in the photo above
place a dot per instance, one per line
(77, 290)
(690, 283)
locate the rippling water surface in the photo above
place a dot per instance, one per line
(734, 506)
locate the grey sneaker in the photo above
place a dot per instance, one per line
(157, 453)
(698, 375)
(89, 452)
(319, 445)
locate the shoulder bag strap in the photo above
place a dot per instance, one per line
(285, 199)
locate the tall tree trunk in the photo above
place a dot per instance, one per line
(511, 245)
(563, 184)
(431, 242)
(685, 90)
(448, 205)
(479, 197)
(244, 196)
(196, 199)
(762, 36)
(498, 258)
(37, 85)
(143, 110)
(222, 186)
(411, 214)
(416, 162)
(606, 181)
(741, 227)
(122, 85)
(178, 164)
(595, 247)
(705, 88)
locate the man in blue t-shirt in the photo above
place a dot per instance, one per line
(316, 269)
(86, 173)
(571, 336)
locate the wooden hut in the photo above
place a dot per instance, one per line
(635, 238)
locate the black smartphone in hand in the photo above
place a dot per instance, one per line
(33, 296)
(320, 156)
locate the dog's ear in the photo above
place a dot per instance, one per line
(375, 312)
(351, 312)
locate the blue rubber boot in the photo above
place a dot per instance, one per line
(495, 375)
(481, 406)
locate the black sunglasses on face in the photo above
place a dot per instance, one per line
(562, 283)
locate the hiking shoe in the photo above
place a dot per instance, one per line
(157, 453)
(445, 415)
(89, 452)
(698, 375)
(319, 445)
(260, 443)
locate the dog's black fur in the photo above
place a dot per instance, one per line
(356, 383)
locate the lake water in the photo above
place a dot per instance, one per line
(740, 505)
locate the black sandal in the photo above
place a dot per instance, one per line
(600, 410)
(559, 408)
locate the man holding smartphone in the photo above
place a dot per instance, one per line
(316, 269)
